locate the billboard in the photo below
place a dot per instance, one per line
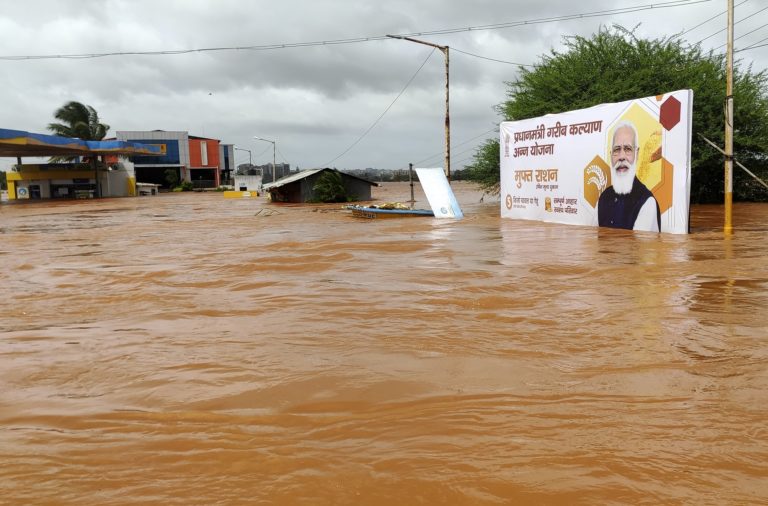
(623, 165)
(439, 194)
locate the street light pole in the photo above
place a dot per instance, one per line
(274, 149)
(250, 160)
(444, 49)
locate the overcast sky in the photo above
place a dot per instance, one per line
(316, 101)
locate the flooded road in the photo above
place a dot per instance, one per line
(191, 349)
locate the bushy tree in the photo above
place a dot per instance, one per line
(614, 65)
(485, 169)
(330, 188)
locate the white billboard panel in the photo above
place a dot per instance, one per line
(438, 192)
(623, 165)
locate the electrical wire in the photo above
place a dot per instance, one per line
(736, 23)
(743, 35)
(456, 145)
(266, 47)
(327, 164)
(491, 59)
(754, 45)
(708, 20)
(282, 156)
(750, 47)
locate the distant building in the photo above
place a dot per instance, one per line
(299, 187)
(199, 160)
(248, 183)
(281, 170)
(227, 162)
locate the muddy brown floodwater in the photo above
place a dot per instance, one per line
(192, 349)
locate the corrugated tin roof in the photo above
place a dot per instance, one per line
(305, 174)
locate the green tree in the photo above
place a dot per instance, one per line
(614, 65)
(485, 169)
(171, 177)
(78, 120)
(330, 188)
(82, 122)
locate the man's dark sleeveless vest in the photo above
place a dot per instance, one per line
(620, 211)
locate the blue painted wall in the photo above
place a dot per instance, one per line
(171, 156)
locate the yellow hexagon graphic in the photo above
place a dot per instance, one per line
(597, 177)
(663, 190)
(650, 169)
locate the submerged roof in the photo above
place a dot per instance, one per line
(21, 143)
(309, 172)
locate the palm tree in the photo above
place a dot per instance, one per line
(80, 121)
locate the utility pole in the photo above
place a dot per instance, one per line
(410, 180)
(728, 228)
(444, 49)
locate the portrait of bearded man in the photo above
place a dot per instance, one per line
(627, 203)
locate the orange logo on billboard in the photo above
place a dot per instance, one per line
(163, 148)
(597, 177)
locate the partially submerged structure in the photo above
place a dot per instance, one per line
(69, 180)
(437, 190)
(299, 187)
(202, 161)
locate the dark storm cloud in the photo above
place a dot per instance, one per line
(316, 100)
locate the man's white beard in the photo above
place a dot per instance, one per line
(622, 181)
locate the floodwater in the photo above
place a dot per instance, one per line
(192, 349)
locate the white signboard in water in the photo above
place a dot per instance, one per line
(623, 165)
(439, 194)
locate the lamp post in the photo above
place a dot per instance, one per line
(250, 160)
(274, 148)
(444, 49)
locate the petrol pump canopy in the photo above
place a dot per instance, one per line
(17, 143)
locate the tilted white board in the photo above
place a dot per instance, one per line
(439, 193)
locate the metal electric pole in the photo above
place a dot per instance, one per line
(728, 228)
(444, 49)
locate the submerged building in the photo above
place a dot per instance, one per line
(300, 187)
(202, 161)
(91, 178)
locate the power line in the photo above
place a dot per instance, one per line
(744, 35)
(267, 47)
(327, 164)
(453, 48)
(282, 156)
(457, 145)
(736, 23)
(494, 130)
(708, 20)
(753, 45)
